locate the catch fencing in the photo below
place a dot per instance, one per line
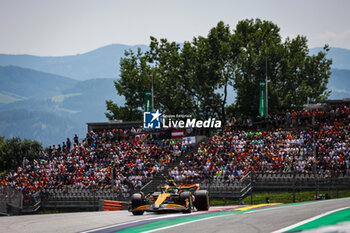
(11, 200)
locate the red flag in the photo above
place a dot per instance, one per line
(177, 133)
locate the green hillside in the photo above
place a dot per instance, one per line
(49, 128)
(68, 103)
(62, 97)
(91, 99)
(7, 98)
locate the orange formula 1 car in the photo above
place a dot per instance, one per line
(172, 198)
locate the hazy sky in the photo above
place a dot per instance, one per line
(66, 27)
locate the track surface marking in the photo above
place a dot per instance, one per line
(325, 219)
(258, 219)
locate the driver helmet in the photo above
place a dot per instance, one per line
(171, 182)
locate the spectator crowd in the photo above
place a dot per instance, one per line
(304, 142)
(102, 160)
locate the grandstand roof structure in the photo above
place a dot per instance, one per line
(338, 101)
(96, 126)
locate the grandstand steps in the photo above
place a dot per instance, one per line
(153, 185)
(31, 209)
(159, 179)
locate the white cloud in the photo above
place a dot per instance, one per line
(334, 35)
(334, 89)
(334, 38)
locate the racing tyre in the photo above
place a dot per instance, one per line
(136, 201)
(186, 200)
(201, 201)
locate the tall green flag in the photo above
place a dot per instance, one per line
(262, 101)
(148, 101)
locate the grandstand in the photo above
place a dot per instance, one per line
(304, 150)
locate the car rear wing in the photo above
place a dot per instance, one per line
(190, 187)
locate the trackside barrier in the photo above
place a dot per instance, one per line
(106, 205)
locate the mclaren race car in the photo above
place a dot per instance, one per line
(172, 198)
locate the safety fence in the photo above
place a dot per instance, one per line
(107, 205)
(11, 200)
(280, 187)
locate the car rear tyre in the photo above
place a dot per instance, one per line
(136, 201)
(202, 200)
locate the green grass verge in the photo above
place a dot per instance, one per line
(7, 98)
(279, 197)
(65, 210)
(51, 212)
(61, 98)
(67, 110)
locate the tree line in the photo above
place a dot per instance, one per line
(14, 151)
(195, 77)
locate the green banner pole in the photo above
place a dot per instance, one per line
(262, 100)
(148, 101)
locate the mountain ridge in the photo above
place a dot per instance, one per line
(101, 62)
(340, 57)
(23, 82)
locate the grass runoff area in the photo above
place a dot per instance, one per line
(280, 197)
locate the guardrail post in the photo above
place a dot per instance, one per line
(251, 186)
(336, 189)
(293, 183)
(101, 205)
